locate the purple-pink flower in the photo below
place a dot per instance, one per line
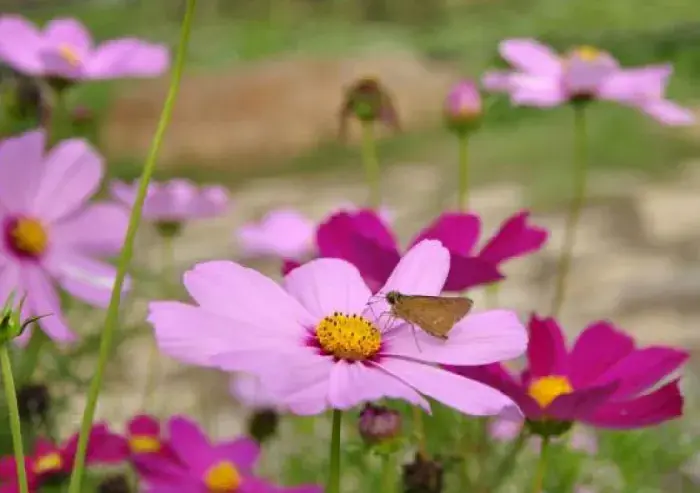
(50, 461)
(320, 341)
(604, 381)
(64, 49)
(50, 234)
(365, 240)
(543, 78)
(174, 201)
(204, 467)
(281, 233)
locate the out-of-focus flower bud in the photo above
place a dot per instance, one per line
(34, 402)
(368, 101)
(423, 476)
(10, 324)
(262, 424)
(463, 108)
(379, 424)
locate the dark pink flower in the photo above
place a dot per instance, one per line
(364, 239)
(204, 467)
(604, 381)
(50, 462)
(65, 50)
(543, 78)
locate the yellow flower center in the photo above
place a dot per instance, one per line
(587, 53)
(349, 337)
(48, 463)
(544, 390)
(68, 53)
(144, 444)
(29, 236)
(222, 477)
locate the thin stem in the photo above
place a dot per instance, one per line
(419, 431)
(577, 203)
(463, 163)
(153, 370)
(389, 474)
(506, 465)
(333, 485)
(371, 164)
(29, 357)
(13, 411)
(538, 482)
(57, 116)
(127, 251)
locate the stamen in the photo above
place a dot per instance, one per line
(545, 389)
(348, 337)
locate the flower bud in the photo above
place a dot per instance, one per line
(262, 425)
(10, 324)
(463, 107)
(34, 402)
(168, 229)
(369, 102)
(379, 424)
(114, 484)
(423, 476)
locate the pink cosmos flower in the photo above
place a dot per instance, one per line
(64, 49)
(49, 461)
(365, 240)
(321, 342)
(50, 234)
(250, 391)
(204, 467)
(603, 381)
(543, 78)
(281, 233)
(174, 201)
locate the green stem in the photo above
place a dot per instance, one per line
(333, 485)
(463, 163)
(29, 358)
(419, 431)
(538, 482)
(57, 117)
(389, 474)
(579, 198)
(13, 411)
(371, 163)
(507, 463)
(112, 317)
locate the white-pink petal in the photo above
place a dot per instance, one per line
(529, 55)
(422, 270)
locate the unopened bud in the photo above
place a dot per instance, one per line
(368, 101)
(114, 484)
(10, 324)
(379, 424)
(463, 108)
(423, 476)
(262, 424)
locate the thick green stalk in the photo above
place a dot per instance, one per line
(371, 164)
(577, 203)
(127, 250)
(13, 411)
(389, 473)
(333, 485)
(541, 470)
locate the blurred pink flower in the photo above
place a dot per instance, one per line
(365, 240)
(250, 391)
(50, 233)
(543, 78)
(282, 233)
(604, 381)
(174, 201)
(317, 343)
(204, 467)
(49, 461)
(64, 49)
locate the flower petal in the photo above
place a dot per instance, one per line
(469, 272)
(580, 404)
(546, 352)
(70, 33)
(497, 81)
(354, 383)
(668, 112)
(596, 350)
(327, 285)
(641, 370)
(144, 424)
(514, 238)
(477, 339)
(458, 232)
(20, 163)
(190, 444)
(662, 405)
(43, 300)
(87, 279)
(72, 174)
(281, 233)
(465, 395)
(244, 452)
(258, 300)
(100, 228)
(20, 44)
(127, 58)
(422, 270)
(537, 91)
(529, 55)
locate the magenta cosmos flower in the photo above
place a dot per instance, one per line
(603, 381)
(321, 342)
(365, 240)
(50, 234)
(50, 462)
(204, 467)
(174, 201)
(142, 440)
(543, 78)
(65, 50)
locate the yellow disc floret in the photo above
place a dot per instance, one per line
(545, 389)
(222, 477)
(348, 337)
(29, 237)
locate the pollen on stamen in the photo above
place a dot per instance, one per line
(348, 337)
(26, 237)
(545, 389)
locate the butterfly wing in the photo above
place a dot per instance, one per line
(436, 315)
